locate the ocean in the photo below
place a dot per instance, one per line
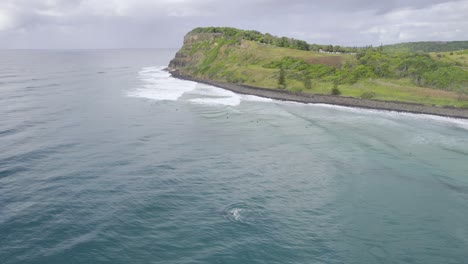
(104, 158)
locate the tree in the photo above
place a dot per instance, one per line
(307, 83)
(335, 90)
(302, 45)
(282, 79)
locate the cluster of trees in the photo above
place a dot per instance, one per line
(412, 47)
(336, 48)
(267, 38)
(284, 42)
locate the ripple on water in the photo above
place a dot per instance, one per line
(244, 213)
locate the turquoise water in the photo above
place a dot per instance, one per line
(106, 159)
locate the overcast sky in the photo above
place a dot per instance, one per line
(163, 23)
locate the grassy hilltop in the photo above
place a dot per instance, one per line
(262, 60)
(428, 46)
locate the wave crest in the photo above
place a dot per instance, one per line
(160, 85)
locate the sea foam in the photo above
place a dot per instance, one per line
(159, 85)
(210, 95)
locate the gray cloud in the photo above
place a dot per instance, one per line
(162, 23)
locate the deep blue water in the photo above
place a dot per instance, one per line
(106, 159)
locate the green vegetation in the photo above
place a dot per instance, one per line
(367, 95)
(422, 69)
(307, 82)
(262, 60)
(335, 90)
(282, 79)
(428, 46)
(269, 39)
(458, 58)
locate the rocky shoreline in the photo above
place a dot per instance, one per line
(333, 100)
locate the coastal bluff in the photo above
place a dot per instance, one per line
(248, 64)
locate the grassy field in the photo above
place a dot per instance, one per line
(257, 64)
(459, 58)
(395, 90)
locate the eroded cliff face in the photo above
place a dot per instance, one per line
(191, 52)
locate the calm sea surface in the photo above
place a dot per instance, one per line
(106, 159)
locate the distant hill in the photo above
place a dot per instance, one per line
(427, 46)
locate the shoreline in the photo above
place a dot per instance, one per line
(281, 95)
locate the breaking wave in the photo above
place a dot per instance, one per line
(158, 84)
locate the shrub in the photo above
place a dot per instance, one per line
(282, 79)
(307, 83)
(335, 90)
(367, 95)
(297, 89)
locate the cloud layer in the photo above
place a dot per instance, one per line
(162, 23)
